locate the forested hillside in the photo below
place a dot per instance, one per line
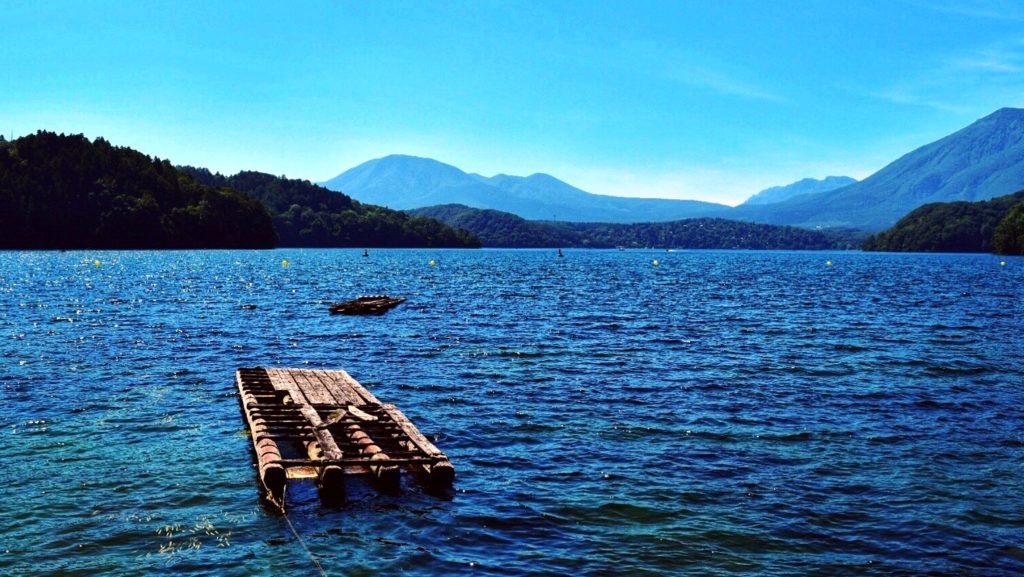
(305, 214)
(1009, 235)
(500, 229)
(65, 191)
(954, 227)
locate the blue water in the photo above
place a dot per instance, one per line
(722, 413)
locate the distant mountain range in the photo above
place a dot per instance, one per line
(805, 186)
(405, 182)
(979, 162)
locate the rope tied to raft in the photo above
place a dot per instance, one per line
(304, 547)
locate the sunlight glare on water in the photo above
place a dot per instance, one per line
(721, 413)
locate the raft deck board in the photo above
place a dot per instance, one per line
(325, 425)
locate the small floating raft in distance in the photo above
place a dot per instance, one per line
(324, 425)
(368, 305)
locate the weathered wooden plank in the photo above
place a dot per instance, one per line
(345, 380)
(323, 436)
(419, 440)
(331, 476)
(311, 386)
(298, 472)
(360, 414)
(343, 394)
(278, 380)
(283, 380)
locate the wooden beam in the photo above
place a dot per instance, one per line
(418, 439)
(363, 391)
(272, 474)
(441, 474)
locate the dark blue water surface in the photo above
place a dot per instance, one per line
(721, 413)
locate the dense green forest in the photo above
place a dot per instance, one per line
(305, 214)
(1009, 235)
(704, 233)
(64, 191)
(957, 227)
(501, 229)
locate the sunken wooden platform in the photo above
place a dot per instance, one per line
(324, 425)
(369, 305)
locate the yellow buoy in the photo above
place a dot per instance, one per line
(284, 263)
(1002, 263)
(828, 263)
(655, 262)
(96, 263)
(433, 263)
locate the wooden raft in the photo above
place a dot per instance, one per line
(325, 425)
(369, 305)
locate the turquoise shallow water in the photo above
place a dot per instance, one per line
(722, 413)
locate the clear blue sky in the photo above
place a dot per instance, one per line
(687, 99)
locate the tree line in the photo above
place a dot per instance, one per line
(502, 229)
(64, 191)
(306, 214)
(995, 225)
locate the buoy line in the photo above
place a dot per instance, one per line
(316, 563)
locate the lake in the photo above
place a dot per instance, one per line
(719, 413)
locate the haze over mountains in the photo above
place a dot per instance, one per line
(805, 186)
(406, 182)
(979, 162)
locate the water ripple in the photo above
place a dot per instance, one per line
(724, 413)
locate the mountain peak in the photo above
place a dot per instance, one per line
(804, 186)
(422, 174)
(406, 182)
(407, 160)
(1007, 113)
(544, 178)
(981, 161)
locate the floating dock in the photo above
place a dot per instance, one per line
(324, 425)
(368, 305)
